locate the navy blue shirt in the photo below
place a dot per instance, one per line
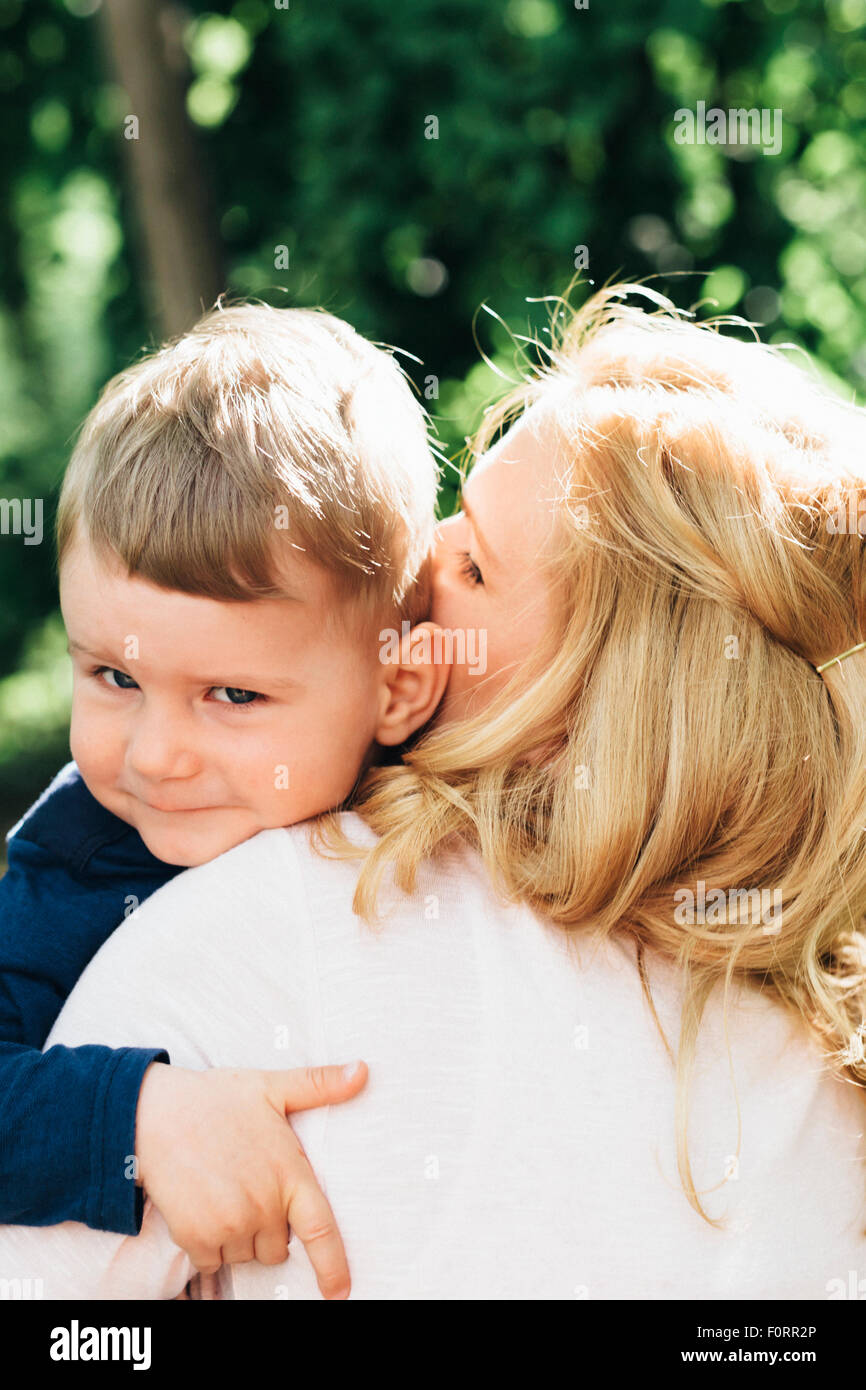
(67, 1116)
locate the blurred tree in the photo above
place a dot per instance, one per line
(402, 167)
(172, 194)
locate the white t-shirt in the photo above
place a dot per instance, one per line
(516, 1138)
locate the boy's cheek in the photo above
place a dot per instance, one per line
(92, 750)
(299, 789)
(78, 742)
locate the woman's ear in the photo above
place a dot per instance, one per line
(413, 683)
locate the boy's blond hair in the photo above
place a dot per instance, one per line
(259, 429)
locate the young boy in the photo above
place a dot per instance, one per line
(243, 513)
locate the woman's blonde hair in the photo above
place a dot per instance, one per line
(260, 428)
(704, 564)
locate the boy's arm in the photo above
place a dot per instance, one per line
(67, 1117)
(179, 971)
(57, 1108)
(67, 1135)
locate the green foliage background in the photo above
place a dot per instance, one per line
(555, 129)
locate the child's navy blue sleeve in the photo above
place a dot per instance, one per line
(67, 1116)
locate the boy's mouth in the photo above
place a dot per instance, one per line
(168, 810)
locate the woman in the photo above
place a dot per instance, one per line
(647, 816)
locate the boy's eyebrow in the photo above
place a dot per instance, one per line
(471, 518)
(238, 682)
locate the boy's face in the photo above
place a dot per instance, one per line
(201, 722)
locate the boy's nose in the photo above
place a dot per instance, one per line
(157, 750)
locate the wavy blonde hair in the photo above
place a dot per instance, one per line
(700, 575)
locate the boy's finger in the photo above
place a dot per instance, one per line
(206, 1258)
(312, 1221)
(272, 1245)
(306, 1087)
(238, 1252)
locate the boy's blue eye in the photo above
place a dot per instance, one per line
(235, 696)
(119, 679)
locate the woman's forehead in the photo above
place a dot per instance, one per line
(524, 457)
(512, 490)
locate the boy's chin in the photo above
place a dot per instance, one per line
(185, 850)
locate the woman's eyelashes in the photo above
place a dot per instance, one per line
(469, 569)
(233, 695)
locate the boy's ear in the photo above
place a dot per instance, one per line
(414, 683)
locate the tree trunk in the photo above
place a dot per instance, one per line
(170, 190)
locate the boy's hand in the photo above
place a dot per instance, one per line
(217, 1157)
